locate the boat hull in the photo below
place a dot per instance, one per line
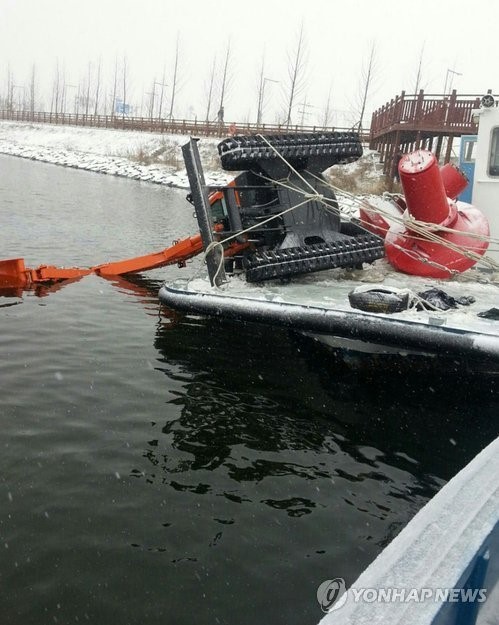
(361, 329)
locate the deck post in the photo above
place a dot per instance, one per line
(439, 146)
(394, 160)
(448, 151)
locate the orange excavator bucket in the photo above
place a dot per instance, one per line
(13, 273)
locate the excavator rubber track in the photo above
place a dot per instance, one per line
(286, 262)
(242, 152)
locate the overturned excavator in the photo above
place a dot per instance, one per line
(276, 219)
(279, 208)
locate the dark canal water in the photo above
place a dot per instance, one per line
(164, 469)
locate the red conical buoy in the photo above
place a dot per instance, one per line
(409, 250)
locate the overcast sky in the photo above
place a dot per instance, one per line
(457, 36)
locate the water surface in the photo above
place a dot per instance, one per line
(160, 468)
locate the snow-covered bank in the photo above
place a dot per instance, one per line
(116, 152)
(150, 157)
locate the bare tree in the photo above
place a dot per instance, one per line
(56, 90)
(225, 83)
(210, 89)
(296, 73)
(87, 94)
(174, 80)
(97, 88)
(115, 87)
(420, 70)
(64, 90)
(10, 89)
(327, 112)
(125, 84)
(78, 100)
(162, 93)
(32, 91)
(261, 82)
(366, 83)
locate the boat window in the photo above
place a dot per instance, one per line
(470, 151)
(494, 153)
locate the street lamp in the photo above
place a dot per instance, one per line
(449, 79)
(261, 99)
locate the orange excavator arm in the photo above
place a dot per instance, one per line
(179, 252)
(14, 274)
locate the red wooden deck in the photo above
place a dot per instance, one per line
(410, 122)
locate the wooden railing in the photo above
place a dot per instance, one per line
(174, 126)
(439, 113)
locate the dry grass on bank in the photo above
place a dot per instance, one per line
(170, 155)
(363, 177)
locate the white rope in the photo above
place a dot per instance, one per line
(308, 197)
(212, 246)
(427, 231)
(423, 259)
(289, 164)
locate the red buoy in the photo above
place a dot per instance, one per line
(413, 252)
(423, 187)
(454, 179)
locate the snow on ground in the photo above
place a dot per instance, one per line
(109, 151)
(151, 157)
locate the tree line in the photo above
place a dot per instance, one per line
(94, 93)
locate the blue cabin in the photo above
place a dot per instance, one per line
(467, 155)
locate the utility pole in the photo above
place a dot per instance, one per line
(152, 94)
(304, 111)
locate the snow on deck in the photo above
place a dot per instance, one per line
(329, 290)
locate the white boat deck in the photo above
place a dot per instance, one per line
(329, 290)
